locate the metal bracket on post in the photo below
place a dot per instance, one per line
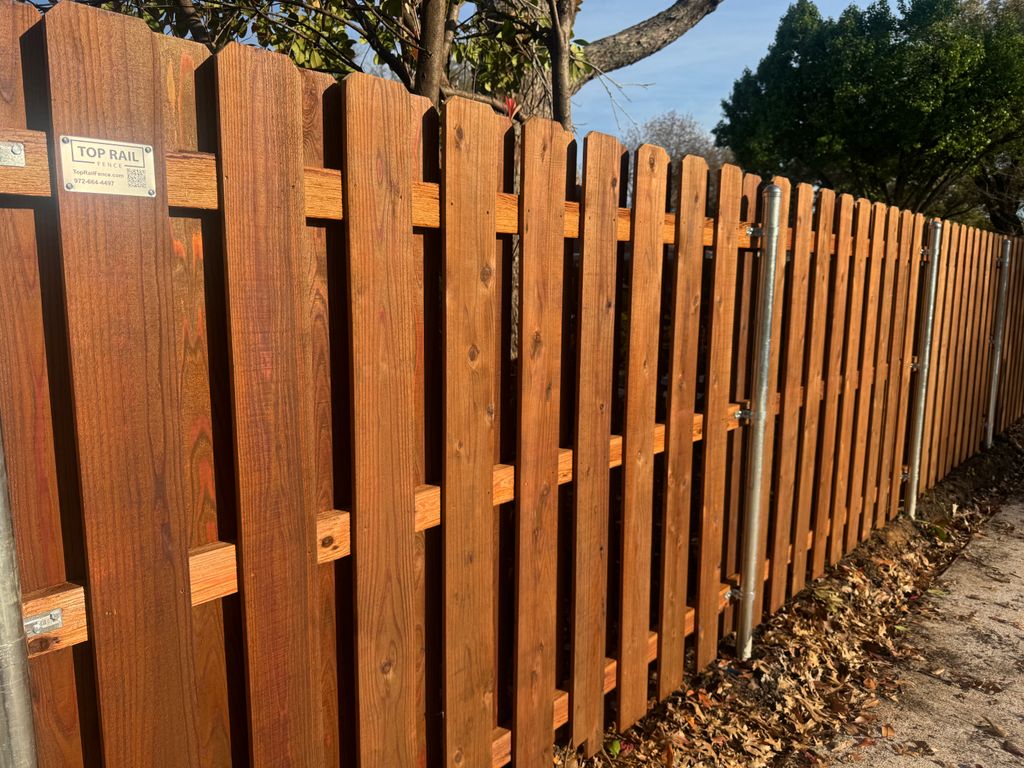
(927, 321)
(750, 570)
(997, 343)
(17, 732)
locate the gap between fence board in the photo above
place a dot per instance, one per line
(191, 179)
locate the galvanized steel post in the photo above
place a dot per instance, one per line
(997, 342)
(750, 567)
(923, 364)
(17, 736)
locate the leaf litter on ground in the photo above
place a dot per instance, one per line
(823, 663)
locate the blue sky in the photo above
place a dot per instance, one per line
(693, 74)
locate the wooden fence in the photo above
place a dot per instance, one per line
(302, 493)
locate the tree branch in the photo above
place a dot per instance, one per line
(639, 41)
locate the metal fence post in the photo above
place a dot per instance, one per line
(17, 734)
(750, 569)
(997, 342)
(923, 362)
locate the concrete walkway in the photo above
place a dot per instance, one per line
(963, 703)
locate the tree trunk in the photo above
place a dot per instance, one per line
(430, 64)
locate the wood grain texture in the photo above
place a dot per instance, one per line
(790, 385)
(891, 464)
(955, 350)
(888, 219)
(723, 296)
(874, 244)
(25, 413)
(118, 292)
(543, 156)
(682, 384)
(602, 188)
(379, 121)
(833, 384)
(270, 287)
(645, 270)
(178, 61)
(470, 145)
(818, 314)
(970, 346)
(855, 309)
(321, 118)
(916, 235)
(954, 235)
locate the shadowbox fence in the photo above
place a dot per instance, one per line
(290, 490)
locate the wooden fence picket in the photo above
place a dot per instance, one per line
(602, 189)
(26, 408)
(833, 383)
(311, 442)
(887, 241)
(682, 382)
(543, 154)
(115, 255)
(271, 282)
(846, 434)
(716, 399)
(814, 385)
(791, 390)
(857, 521)
(645, 268)
(377, 179)
(470, 143)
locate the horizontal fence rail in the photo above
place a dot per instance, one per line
(341, 431)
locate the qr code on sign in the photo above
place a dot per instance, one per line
(136, 178)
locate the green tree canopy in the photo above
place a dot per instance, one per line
(919, 106)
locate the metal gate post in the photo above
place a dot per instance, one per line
(923, 362)
(17, 734)
(997, 342)
(750, 570)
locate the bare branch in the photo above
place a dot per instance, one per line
(639, 41)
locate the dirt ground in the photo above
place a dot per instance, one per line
(962, 694)
(889, 660)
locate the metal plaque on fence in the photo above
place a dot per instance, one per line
(105, 167)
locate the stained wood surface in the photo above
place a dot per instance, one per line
(723, 295)
(470, 145)
(119, 302)
(270, 284)
(682, 382)
(26, 414)
(602, 188)
(887, 220)
(645, 270)
(892, 464)
(183, 110)
(818, 314)
(321, 107)
(872, 240)
(842, 268)
(378, 120)
(300, 237)
(846, 434)
(790, 385)
(543, 157)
